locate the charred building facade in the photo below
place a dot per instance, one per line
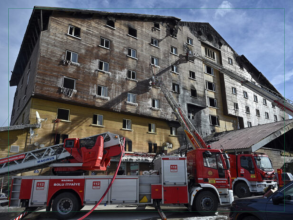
(88, 72)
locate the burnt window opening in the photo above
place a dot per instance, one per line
(102, 91)
(152, 128)
(209, 70)
(245, 95)
(103, 66)
(257, 113)
(214, 120)
(157, 25)
(98, 119)
(192, 110)
(132, 32)
(132, 53)
(128, 144)
(230, 61)
(155, 61)
(63, 114)
(175, 88)
(193, 93)
(236, 107)
(213, 102)
(155, 42)
(210, 86)
(71, 56)
(111, 23)
(68, 83)
(191, 74)
(234, 90)
(247, 109)
(156, 103)
(173, 32)
(105, 43)
(150, 147)
(131, 74)
(74, 31)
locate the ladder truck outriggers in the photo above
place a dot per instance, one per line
(201, 181)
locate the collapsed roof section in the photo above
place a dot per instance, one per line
(249, 139)
(40, 18)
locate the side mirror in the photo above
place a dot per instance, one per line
(278, 198)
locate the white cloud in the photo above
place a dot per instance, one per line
(280, 78)
(223, 9)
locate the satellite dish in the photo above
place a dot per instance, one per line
(39, 119)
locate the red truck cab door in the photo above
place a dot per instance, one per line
(246, 167)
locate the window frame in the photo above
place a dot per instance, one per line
(189, 40)
(174, 85)
(210, 53)
(73, 31)
(131, 74)
(215, 101)
(156, 23)
(190, 75)
(267, 116)
(129, 30)
(195, 93)
(214, 86)
(174, 69)
(217, 120)
(102, 89)
(245, 94)
(212, 70)
(174, 49)
(275, 118)
(153, 59)
(230, 61)
(105, 39)
(152, 128)
(236, 105)
(65, 77)
(132, 97)
(257, 112)
(103, 70)
(249, 124)
(264, 101)
(247, 108)
(156, 103)
(126, 120)
(71, 52)
(107, 24)
(154, 40)
(97, 124)
(255, 98)
(131, 50)
(234, 90)
(172, 129)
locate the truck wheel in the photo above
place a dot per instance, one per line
(206, 203)
(242, 190)
(65, 205)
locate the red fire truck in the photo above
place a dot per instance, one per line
(251, 173)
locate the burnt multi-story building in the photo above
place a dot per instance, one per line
(88, 72)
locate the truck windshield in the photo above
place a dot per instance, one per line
(263, 162)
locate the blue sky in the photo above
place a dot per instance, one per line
(254, 28)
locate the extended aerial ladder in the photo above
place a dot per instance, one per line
(281, 102)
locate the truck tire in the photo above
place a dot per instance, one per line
(65, 205)
(205, 203)
(242, 190)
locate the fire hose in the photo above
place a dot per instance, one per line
(87, 214)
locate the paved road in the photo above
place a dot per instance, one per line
(115, 212)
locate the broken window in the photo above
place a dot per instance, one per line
(127, 124)
(175, 88)
(155, 42)
(74, 31)
(111, 23)
(63, 114)
(275, 118)
(103, 66)
(249, 124)
(189, 41)
(257, 113)
(152, 128)
(236, 106)
(174, 50)
(264, 101)
(156, 103)
(71, 56)
(102, 91)
(131, 74)
(191, 74)
(245, 95)
(131, 97)
(68, 83)
(209, 70)
(157, 25)
(234, 90)
(266, 115)
(131, 52)
(174, 68)
(209, 53)
(210, 86)
(155, 61)
(105, 43)
(193, 92)
(213, 102)
(255, 98)
(173, 131)
(214, 120)
(132, 32)
(230, 61)
(247, 110)
(98, 119)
